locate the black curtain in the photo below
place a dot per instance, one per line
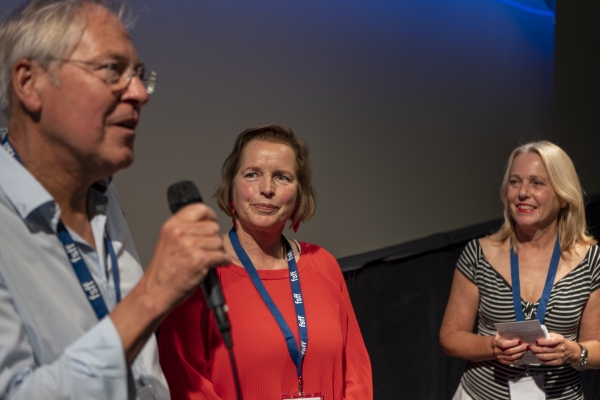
(399, 295)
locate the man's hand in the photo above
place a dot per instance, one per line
(189, 245)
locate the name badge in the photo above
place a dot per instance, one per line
(527, 387)
(303, 396)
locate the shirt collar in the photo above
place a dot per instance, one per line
(21, 188)
(28, 195)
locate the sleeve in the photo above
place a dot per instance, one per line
(467, 263)
(357, 365)
(358, 375)
(184, 350)
(595, 268)
(93, 367)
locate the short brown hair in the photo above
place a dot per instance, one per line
(305, 201)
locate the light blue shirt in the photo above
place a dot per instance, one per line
(51, 342)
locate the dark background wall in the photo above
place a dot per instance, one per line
(576, 115)
(400, 293)
(396, 99)
(410, 107)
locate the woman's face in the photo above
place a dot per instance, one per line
(532, 201)
(265, 187)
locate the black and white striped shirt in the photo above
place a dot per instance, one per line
(488, 379)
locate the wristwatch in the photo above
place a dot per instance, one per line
(584, 355)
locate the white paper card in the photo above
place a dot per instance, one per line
(527, 387)
(525, 331)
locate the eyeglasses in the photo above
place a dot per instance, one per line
(118, 75)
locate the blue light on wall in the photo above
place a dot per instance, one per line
(533, 10)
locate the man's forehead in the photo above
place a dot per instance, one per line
(104, 35)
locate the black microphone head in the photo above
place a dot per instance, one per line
(181, 194)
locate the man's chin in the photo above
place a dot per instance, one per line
(115, 165)
(127, 162)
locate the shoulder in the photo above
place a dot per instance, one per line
(472, 250)
(592, 253)
(592, 259)
(322, 261)
(493, 248)
(581, 250)
(469, 260)
(317, 253)
(314, 250)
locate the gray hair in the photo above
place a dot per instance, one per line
(43, 30)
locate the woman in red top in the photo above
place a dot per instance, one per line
(266, 181)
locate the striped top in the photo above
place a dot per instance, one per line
(488, 379)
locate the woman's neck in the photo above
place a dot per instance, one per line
(538, 239)
(264, 248)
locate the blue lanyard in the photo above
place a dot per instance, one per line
(86, 280)
(516, 284)
(296, 354)
(9, 149)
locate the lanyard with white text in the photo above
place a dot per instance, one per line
(86, 280)
(83, 273)
(9, 149)
(297, 355)
(516, 285)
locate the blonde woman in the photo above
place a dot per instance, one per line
(540, 265)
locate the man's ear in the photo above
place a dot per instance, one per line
(26, 75)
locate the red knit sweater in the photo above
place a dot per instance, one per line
(196, 362)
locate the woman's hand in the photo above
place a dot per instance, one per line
(508, 351)
(556, 350)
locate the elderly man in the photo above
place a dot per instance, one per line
(77, 312)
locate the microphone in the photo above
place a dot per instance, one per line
(181, 194)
